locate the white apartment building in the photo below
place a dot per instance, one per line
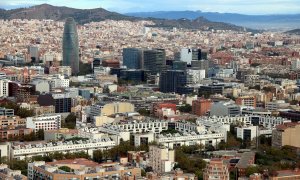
(45, 122)
(143, 138)
(265, 121)
(4, 87)
(251, 132)
(161, 159)
(274, 105)
(143, 126)
(59, 81)
(19, 150)
(188, 127)
(117, 135)
(189, 139)
(245, 120)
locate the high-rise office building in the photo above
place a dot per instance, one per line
(70, 46)
(34, 53)
(154, 60)
(171, 80)
(132, 58)
(201, 65)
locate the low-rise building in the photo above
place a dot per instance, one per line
(81, 169)
(9, 174)
(11, 121)
(216, 169)
(60, 134)
(193, 138)
(21, 150)
(14, 133)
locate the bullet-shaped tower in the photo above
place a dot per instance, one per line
(70, 46)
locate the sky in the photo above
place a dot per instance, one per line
(124, 6)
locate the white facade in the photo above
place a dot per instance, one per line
(47, 122)
(98, 133)
(21, 151)
(188, 127)
(59, 82)
(4, 88)
(274, 105)
(143, 126)
(143, 139)
(186, 55)
(196, 76)
(193, 138)
(249, 132)
(265, 121)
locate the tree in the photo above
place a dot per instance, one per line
(251, 170)
(85, 68)
(144, 112)
(65, 168)
(98, 156)
(22, 112)
(30, 137)
(40, 134)
(186, 108)
(70, 121)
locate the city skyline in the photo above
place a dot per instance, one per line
(125, 6)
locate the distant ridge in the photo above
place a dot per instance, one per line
(294, 31)
(82, 16)
(289, 21)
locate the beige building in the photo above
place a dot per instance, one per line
(108, 109)
(12, 121)
(81, 169)
(39, 110)
(286, 134)
(216, 169)
(100, 120)
(119, 107)
(161, 159)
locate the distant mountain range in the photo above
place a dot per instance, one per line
(294, 31)
(250, 21)
(46, 11)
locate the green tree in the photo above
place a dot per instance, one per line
(30, 137)
(98, 156)
(65, 168)
(70, 121)
(40, 134)
(186, 108)
(251, 170)
(144, 112)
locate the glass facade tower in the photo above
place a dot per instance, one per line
(70, 46)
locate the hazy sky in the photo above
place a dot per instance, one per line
(122, 6)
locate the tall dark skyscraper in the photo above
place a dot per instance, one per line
(172, 80)
(70, 46)
(154, 60)
(132, 58)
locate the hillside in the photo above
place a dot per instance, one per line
(285, 21)
(294, 31)
(82, 16)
